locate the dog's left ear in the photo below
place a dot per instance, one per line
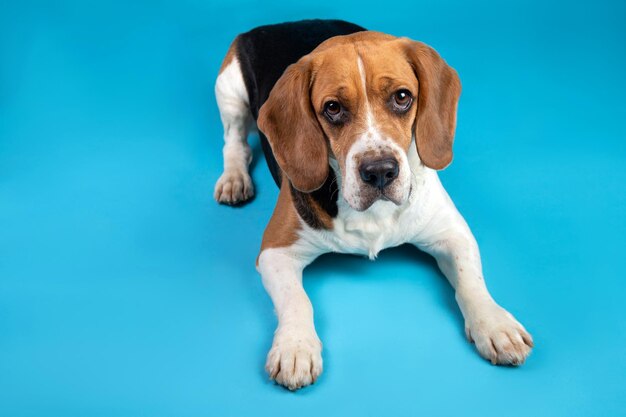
(438, 96)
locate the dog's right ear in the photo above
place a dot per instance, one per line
(288, 120)
(438, 96)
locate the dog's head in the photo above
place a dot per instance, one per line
(359, 100)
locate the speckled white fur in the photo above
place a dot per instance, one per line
(295, 359)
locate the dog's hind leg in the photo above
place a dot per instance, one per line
(234, 185)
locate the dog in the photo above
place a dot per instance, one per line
(354, 125)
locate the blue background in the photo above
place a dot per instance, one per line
(125, 290)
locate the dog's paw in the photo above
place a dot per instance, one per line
(499, 338)
(234, 187)
(295, 359)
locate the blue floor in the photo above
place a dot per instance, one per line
(125, 290)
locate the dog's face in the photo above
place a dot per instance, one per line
(357, 101)
(365, 105)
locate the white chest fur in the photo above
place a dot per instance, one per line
(384, 224)
(370, 231)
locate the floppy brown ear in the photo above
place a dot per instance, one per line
(296, 138)
(438, 95)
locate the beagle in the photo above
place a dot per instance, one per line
(354, 125)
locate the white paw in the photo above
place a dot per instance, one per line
(499, 338)
(234, 187)
(295, 359)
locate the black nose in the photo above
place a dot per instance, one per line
(379, 173)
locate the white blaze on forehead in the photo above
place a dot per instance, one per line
(368, 110)
(361, 70)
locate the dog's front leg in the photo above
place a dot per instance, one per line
(498, 336)
(295, 359)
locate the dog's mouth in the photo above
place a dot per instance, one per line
(384, 197)
(374, 195)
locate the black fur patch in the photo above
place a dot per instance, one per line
(264, 53)
(325, 197)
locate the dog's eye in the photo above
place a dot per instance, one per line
(332, 111)
(402, 100)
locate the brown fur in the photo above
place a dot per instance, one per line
(282, 230)
(284, 225)
(440, 89)
(230, 54)
(292, 130)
